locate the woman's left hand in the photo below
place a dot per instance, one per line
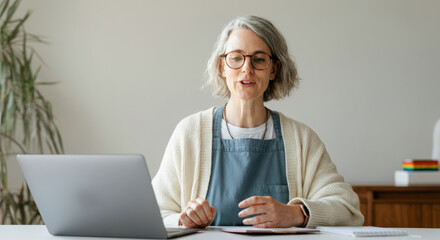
(273, 213)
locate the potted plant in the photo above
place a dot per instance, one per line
(26, 119)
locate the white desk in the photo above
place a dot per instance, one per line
(39, 232)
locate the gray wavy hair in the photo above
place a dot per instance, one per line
(286, 78)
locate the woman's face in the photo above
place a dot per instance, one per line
(247, 83)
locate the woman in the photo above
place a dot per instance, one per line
(243, 164)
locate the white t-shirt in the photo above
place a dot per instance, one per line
(257, 132)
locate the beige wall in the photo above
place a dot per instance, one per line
(130, 70)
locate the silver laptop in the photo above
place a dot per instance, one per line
(95, 196)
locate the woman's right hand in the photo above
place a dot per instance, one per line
(197, 213)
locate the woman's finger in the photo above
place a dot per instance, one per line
(206, 208)
(199, 211)
(186, 221)
(255, 200)
(191, 213)
(252, 210)
(260, 219)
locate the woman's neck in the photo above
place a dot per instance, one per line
(246, 114)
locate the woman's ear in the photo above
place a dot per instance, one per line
(274, 70)
(222, 68)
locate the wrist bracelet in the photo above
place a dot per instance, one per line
(305, 212)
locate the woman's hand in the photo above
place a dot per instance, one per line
(273, 213)
(197, 213)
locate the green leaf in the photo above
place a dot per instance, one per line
(9, 112)
(14, 141)
(3, 171)
(60, 141)
(3, 6)
(11, 11)
(16, 30)
(47, 83)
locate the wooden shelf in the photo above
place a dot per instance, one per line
(390, 206)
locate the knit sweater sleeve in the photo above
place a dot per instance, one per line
(175, 180)
(320, 187)
(167, 182)
(185, 168)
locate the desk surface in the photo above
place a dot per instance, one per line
(39, 232)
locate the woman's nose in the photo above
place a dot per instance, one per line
(247, 66)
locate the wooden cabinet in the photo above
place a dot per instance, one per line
(390, 206)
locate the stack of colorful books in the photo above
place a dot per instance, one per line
(418, 172)
(420, 165)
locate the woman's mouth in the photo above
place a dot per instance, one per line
(246, 83)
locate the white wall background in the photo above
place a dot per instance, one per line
(129, 71)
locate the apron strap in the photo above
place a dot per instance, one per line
(216, 132)
(276, 125)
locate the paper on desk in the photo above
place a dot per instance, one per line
(364, 231)
(268, 230)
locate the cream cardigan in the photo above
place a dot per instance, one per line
(312, 178)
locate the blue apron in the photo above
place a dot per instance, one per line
(242, 168)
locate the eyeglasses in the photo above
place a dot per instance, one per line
(259, 61)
